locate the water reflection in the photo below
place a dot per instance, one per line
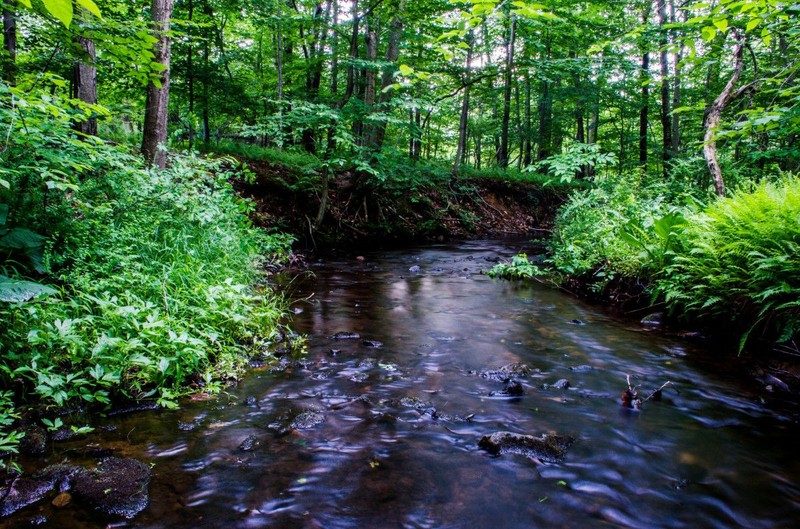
(395, 450)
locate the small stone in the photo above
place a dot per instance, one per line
(414, 269)
(375, 344)
(514, 388)
(249, 444)
(346, 335)
(62, 500)
(562, 383)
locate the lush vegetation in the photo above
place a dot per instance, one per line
(117, 281)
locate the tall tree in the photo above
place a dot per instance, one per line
(154, 133)
(10, 41)
(666, 119)
(85, 79)
(461, 149)
(502, 153)
(715, 113)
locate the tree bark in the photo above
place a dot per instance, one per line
(502, 153)
(85, 78)
(644, 111)
(715, 113)
(464, 118)
(392, 54)
(10, 41)
(666, 120)
(676, 88)
(154, 135)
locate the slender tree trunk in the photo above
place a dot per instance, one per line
(10, 41)
(676, 88)
(85, 77)
(190, 70)
(392, 54)
(644, 110)
(502, 154)
(527, 156)
(545, 121)
(715, 113)
(666, 119)
(464, 119)
(370, 78)
(335, 51)
(154, 136)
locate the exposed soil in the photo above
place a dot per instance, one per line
(358, 214)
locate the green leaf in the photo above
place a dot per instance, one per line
(709, 33)
(91, 7)
(3, 213)
(26, 3)
(17, 291)
(21, 238)
(721, 24)
(61, 9)
(406, 70)
(753, 24)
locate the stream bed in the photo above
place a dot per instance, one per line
(382, 430)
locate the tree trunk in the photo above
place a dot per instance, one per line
(527, 156)
(392, 54)
(502, 153)
(10, 41)
(369, 138)
(190, 71)
(676, 88)
(335, 51)
(85, 77)
(154, 136)
(545, 121)
(464, 119)
(666, 120)
(715, 113)
(643, 111)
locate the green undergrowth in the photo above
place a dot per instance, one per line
(122, 283)
(730, 263)
(738, 264)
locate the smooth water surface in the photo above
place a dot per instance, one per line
(398, 446)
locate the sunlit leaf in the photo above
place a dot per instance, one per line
(61, 9)
(91, 7)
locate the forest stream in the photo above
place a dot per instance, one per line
(413, 357)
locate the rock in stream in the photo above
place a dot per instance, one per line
(549, 448)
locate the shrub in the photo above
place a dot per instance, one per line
(622, 226)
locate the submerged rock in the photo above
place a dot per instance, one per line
(298, 421)
(561, 383)
(505, 373)
(414, 269)
(249, 444)
(548, 448)
(346, 335)
(375, 344)
(21, 492)
(513, 388)
(116, 487)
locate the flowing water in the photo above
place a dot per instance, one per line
(397, 445)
